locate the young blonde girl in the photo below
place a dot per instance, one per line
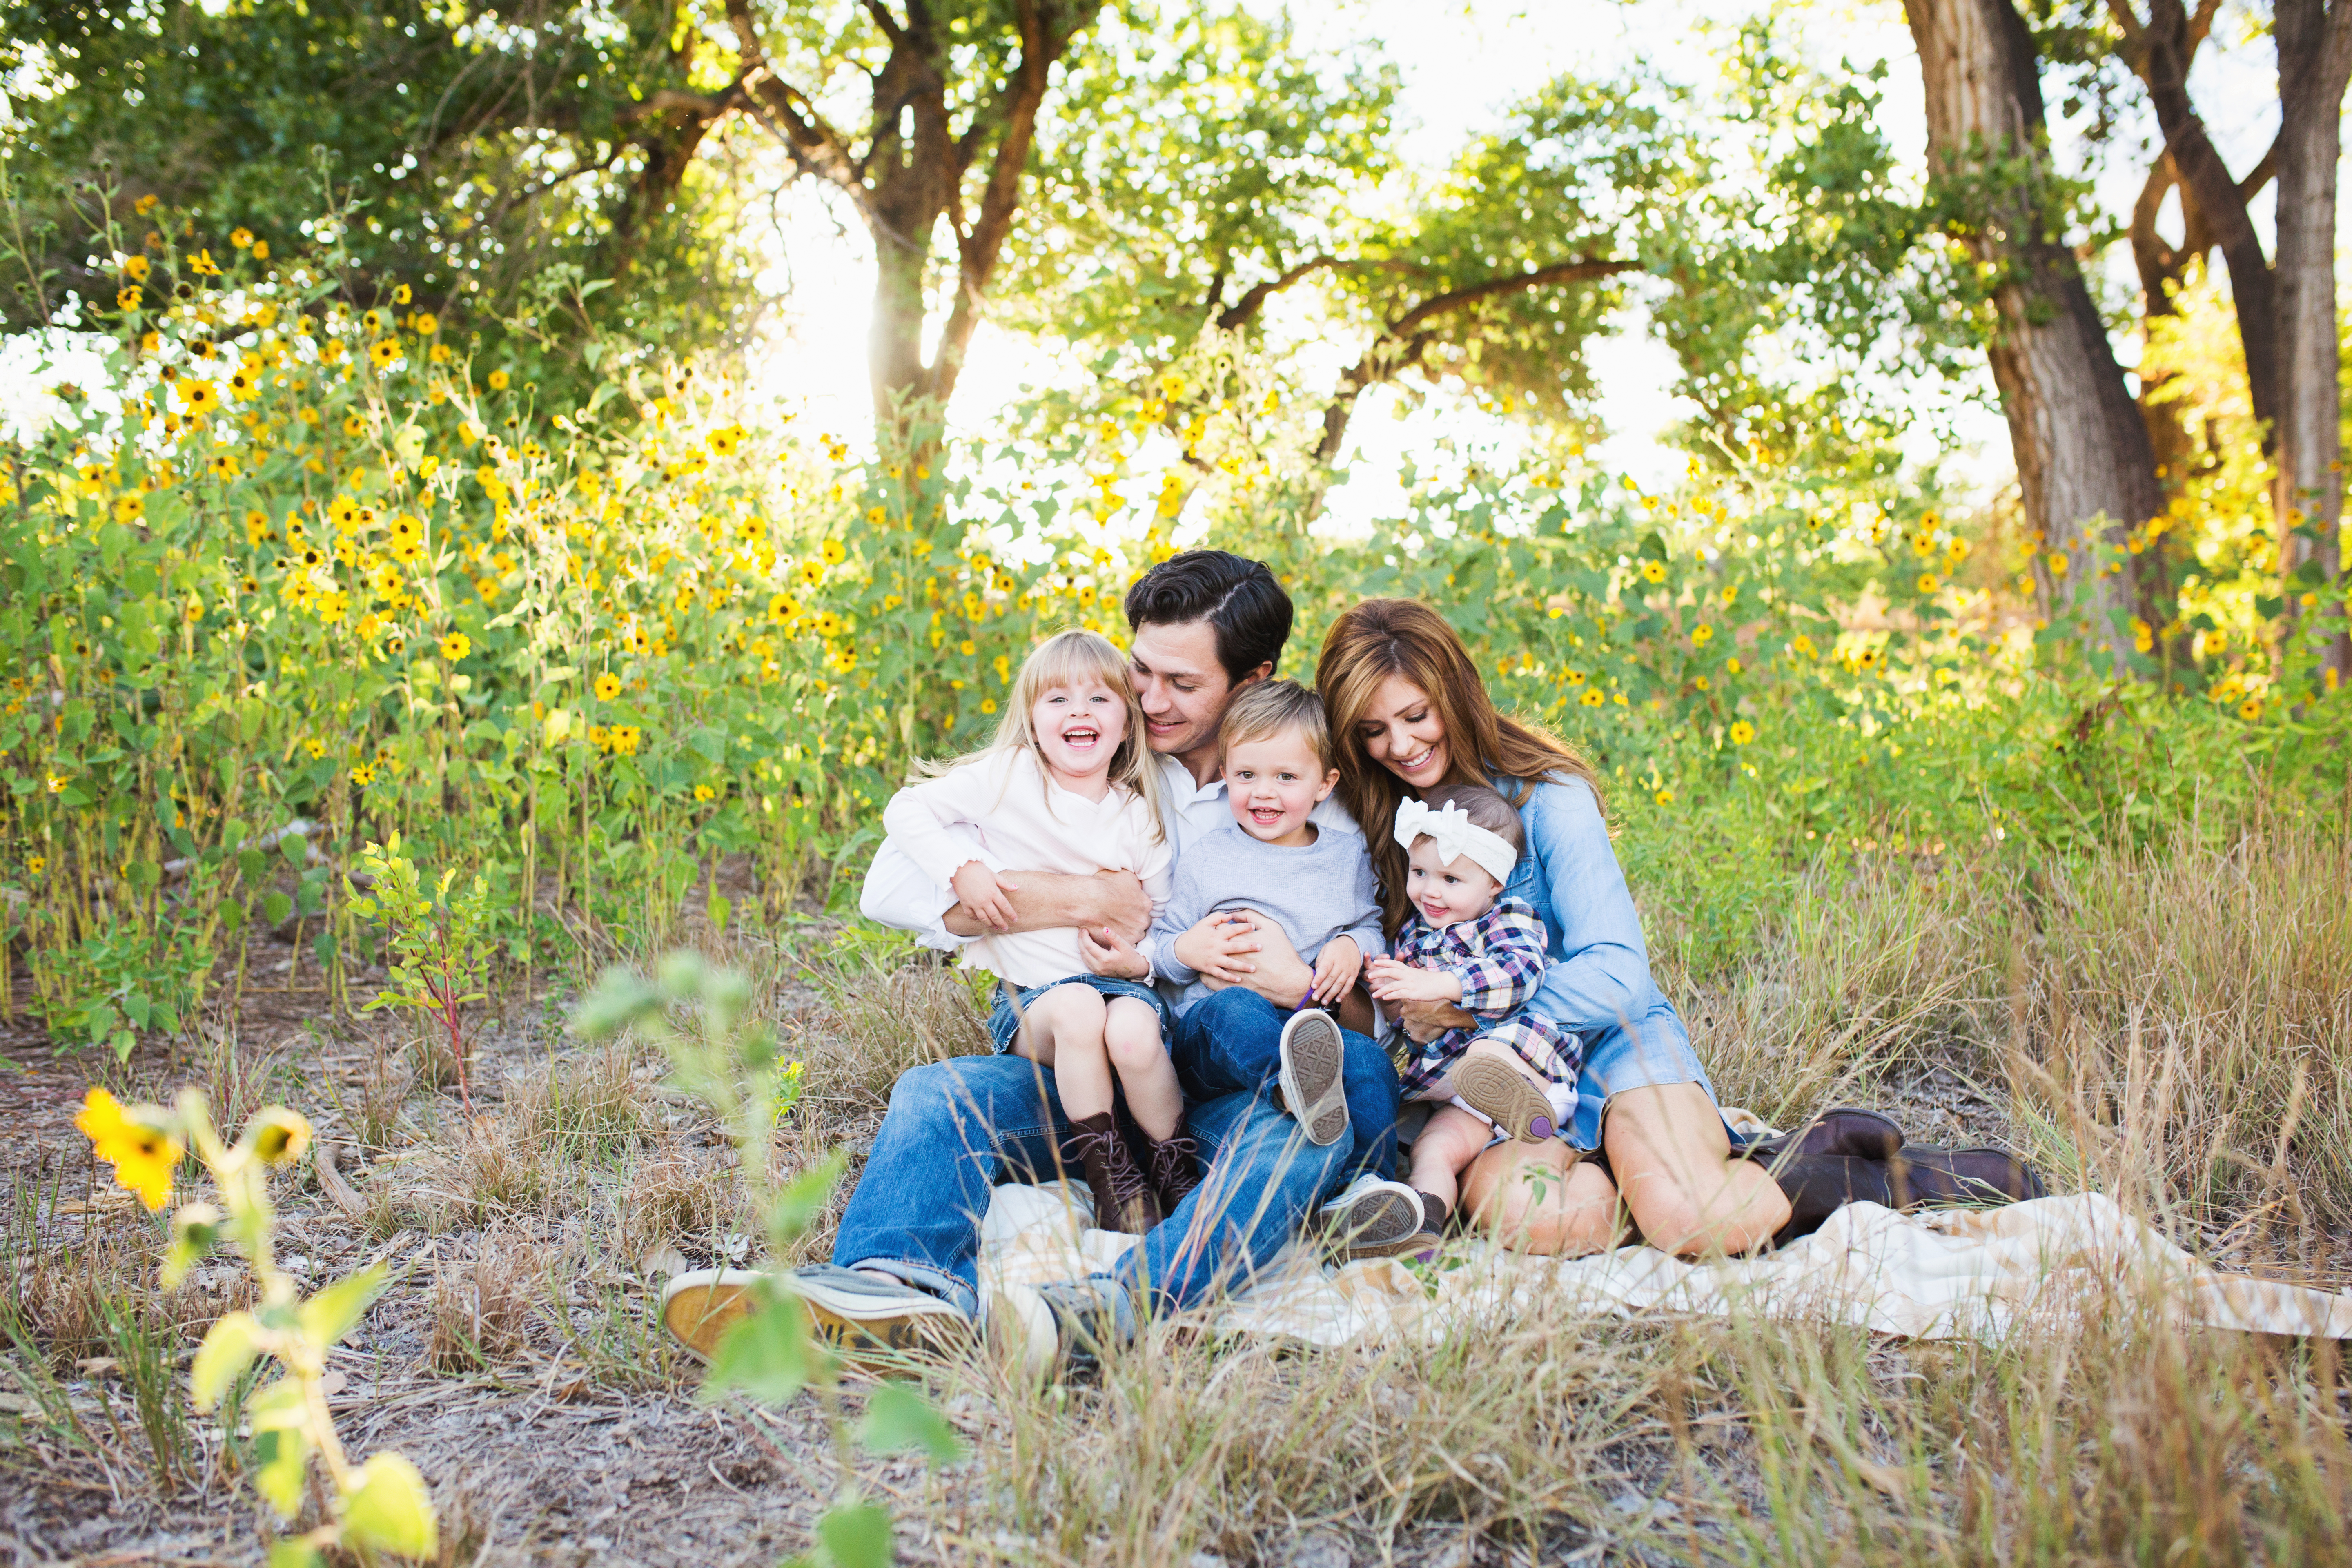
(1068, 785)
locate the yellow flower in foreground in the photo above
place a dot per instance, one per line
(133, 1141)
(1654, 571)
(456, 646)
(425, 323)
(130, 509)
(834, 553)
(608, 686)
(1593, 696)
(497, 381)
(1666, 797)
(261, 250)
(127, 299)
(241, 237)
(276, 1136)
(2251, 709)
(1742, 732)
(362, 776)
(1927, 584)
(704, 792)
(202, 265)
(136, 267)
(199, 398)
(2057, 563)
(1702, 635)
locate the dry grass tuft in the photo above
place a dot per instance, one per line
(598, 1101)
(483, 1309)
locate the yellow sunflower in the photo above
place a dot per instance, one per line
(136, 1141)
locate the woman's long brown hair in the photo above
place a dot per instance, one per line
(1383, 637)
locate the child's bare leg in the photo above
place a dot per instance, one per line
(1063, 1029)
(1131, 1036)
(1449, 1142)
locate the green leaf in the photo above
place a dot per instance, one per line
(804, 1199)
(765, 1354)
(276, 908)
(296, 849)
(388, 1509)
(332, 1313)
(294, 1552)
(281, 1443)
(229, 1348)
(719, 909)
(232, 918)
(856, 1535)
(898, 1420)
(124, 1042)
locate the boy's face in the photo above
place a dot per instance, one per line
(1447, 892)
(1273, 782)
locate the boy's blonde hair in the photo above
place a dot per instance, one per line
(1278, 707)
(1063, 659)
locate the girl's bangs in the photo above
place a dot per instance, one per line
(1070, 656)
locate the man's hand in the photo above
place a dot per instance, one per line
(1107, 954)
(1044, 901)
(1395, 981)
(1335, 968)
(1424, 1021)
(982, 892)
(1219, 948)
(1278, 973)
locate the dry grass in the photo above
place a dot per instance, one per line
(2176, 1030)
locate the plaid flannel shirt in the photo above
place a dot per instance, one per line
(1498, 957)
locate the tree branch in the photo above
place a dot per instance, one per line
(1402, 341)
(814, 145)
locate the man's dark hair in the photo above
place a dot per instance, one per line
(1236, 596)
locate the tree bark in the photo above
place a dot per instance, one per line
(2315, 60)
(2084, 464)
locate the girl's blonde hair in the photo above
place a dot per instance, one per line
(1064, 659)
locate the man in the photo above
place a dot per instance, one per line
(1205, 623)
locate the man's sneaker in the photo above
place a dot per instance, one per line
(1064, 1328)
(1314, 1058)
(855, 1312)
(1375, 1218)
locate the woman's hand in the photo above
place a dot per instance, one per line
(981, 891)
(1106, 952)
(1219, 946)
(1395, 981)
(1335, 968)
(1424, 1021)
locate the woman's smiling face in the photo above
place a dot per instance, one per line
(1401, 732)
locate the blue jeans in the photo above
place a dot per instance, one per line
(956, 1127)
(1231, 1043)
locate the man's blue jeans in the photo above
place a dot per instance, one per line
(1230, 1042)
(956, 1127)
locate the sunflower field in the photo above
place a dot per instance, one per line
(312, 569)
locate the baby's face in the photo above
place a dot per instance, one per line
(1447, 892)
(1274, 782)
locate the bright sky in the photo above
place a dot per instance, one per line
(1463, 63)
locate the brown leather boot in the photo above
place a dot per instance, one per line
(1844, 1130)
(1927, 1177)
(1123, 1199)
(1173, 1167)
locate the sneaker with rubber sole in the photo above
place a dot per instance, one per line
(1061, 1329)
(1314, 1058)
(1505, 1098)
(854, 1312)
(1375, 1218)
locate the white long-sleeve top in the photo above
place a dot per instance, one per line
(1004, 811)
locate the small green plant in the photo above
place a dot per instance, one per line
(440, 944)
(378, 1507)
(718, 1052)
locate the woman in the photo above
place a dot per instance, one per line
(1410, 714)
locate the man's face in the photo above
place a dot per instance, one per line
(1182, 686)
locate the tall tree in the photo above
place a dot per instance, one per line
(2084, 462)
(2314, 56)
(2285, 307)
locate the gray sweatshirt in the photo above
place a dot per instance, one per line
(1314, 892)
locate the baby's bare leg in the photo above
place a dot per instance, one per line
(1448, 1144)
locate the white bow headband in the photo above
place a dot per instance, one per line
(1456, 835)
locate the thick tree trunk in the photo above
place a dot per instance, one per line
(2084, 463)
(2314, 56)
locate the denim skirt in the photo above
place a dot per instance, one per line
(1003, 1023)
(1618, 1058)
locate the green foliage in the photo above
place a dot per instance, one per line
(701, 1015)
(378, 1506)
(485, 159)
(439, 954)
